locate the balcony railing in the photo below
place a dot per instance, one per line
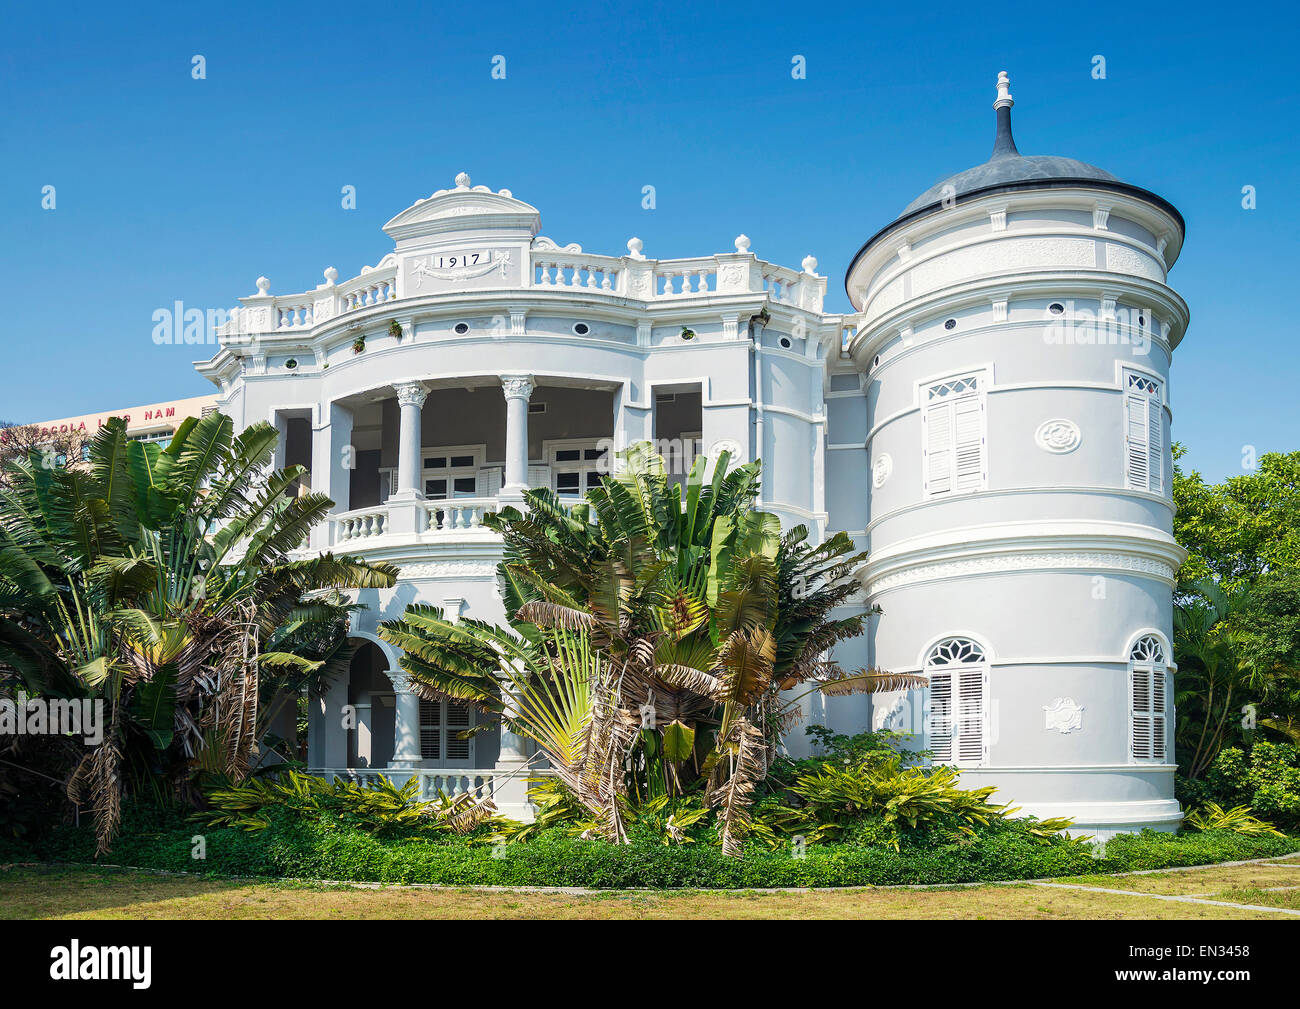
(550, 268)
(448, 781)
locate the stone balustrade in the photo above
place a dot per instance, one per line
(458, 514)
(361, 524)
(549, 268)
(451, 782)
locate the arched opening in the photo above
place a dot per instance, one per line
(370, 695)
(958, 702)
(1148, 665)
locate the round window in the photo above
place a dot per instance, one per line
(462, 328)
(785, 342)
(291, 363)
(581, 328)
(950, 324)
(1056, 308)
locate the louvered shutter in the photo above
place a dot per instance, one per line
(1137, 439)
(489, 481)
(539, 476)
(971, 716)
(1144, 716)
(939, 444)
(941, 717)
(458, 719)
(430, 730)
(968, 424)
(1155, 444)
(1158, 713)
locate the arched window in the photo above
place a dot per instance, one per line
(1148, 682)
(958, 722)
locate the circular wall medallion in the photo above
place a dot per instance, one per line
(1058, 435)
(881, 469)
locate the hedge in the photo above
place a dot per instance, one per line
(320, 851)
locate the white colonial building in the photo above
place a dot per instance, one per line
(992, 424)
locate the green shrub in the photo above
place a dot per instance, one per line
(1267, 779)
(1238, 819)
(292, 847)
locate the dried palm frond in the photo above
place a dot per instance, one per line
(548, 614)
(735, 796)
(466, 812)
(870, 681)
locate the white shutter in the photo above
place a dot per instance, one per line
(489, 481)
(1155, 444)
(1143, 722)
(1137, 439)
(971, 716)
(539, 476)
(1158, 713)
(939, 441)
(968, 423)
(941, 717)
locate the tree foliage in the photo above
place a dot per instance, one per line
(164, 583)
(652, 632)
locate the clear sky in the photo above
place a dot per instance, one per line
(170, 188)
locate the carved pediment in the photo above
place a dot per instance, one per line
(466, 208)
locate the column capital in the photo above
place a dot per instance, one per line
(401, 681)
(411, 393)
(517, 386)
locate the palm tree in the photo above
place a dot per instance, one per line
(650, 630)
(1216, 671)
(154, 579)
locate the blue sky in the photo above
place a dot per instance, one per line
(170, 188)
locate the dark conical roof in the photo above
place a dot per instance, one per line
(1006, 165)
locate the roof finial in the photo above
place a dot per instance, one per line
(1004, 91)
(1004, 145)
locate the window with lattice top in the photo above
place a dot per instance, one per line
(953, 437)
(958, 702)
(1148, 690)
(965, 385)
(1144, 433)
(955, 651)
(441, 725)
(1148, 648)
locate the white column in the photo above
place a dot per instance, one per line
(518, 389)
(410, 397)
(406, 723)
(331, 463)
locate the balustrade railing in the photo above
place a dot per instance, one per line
(364, 523)
(458, 514)
(451, 782)
(549, 268)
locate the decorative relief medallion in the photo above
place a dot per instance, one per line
(1064, 716)
(1058, 436)
(728, 445)
(733, 274)
(880, 470)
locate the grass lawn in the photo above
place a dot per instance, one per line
(76, 893)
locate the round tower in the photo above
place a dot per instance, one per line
(1015, 334)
